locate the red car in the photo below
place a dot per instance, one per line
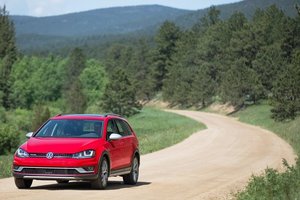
(79, 147)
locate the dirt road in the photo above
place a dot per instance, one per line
(208, 165)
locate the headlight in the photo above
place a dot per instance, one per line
(84, 154)
(21, 153)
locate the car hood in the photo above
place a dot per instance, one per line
(60, 145)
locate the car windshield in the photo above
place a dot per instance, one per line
(71, 129)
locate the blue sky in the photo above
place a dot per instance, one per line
(56, 7)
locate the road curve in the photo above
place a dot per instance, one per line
(209, 164)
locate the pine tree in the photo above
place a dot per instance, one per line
(76, 64)
(119, 96)
(75, 98)
(286, 91)
(142, 72)
(177, 82)
(240, 84)
(8, 55)
(210, 19)
(166, 40)
(40, 115)
(203, 86)
(267, 65)
(76, 101)
(118, 56)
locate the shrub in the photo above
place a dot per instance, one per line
(21, 118)
(9, 139)
(274, 185)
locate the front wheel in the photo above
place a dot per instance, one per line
(102, 180)
(132, 178)
(23, 183)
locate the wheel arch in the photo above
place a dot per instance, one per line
(105, 154)
(136, 154)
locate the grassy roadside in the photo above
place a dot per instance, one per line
(272, 184)
(155, 129)
(5, 165)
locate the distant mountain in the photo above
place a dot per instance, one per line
(248, 7)
(99, 28)
(97, 22)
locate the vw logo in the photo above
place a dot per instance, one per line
(49, 155)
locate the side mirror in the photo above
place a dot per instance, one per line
(115, 136)
(29, 135)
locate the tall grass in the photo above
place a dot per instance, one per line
(5, 165)
(272, 184)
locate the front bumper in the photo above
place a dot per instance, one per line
(54, 173)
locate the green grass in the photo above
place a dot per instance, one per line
(5, 165)
(155, 129)
(272, 184)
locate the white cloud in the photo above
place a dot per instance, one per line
(39, 10)
(45, 7)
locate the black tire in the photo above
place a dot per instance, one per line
(132, 178)
(23, 183)
(102, 180)
(62, 181)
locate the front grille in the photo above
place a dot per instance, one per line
(37, 155)
(63, 155)
(55, 155)
(49, 171)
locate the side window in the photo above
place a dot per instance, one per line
(111, 128)
(120, 128)
(123, 127)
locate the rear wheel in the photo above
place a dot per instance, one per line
(23, 183)
(133, 177)
(62, 181)
(102, 180)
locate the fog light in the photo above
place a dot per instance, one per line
(90, 168)
(16, 168)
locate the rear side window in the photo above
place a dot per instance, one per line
(123, 128)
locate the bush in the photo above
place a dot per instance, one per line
(274, 185)
(9, 139)
(21, 118)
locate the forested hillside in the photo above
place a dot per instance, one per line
(248, 7)
(97, 22)
(237, 60)
(94, 30)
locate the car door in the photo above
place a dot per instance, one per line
(115, 146)
(127, 143)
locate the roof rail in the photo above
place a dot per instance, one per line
(58, 115)
(112, 114)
